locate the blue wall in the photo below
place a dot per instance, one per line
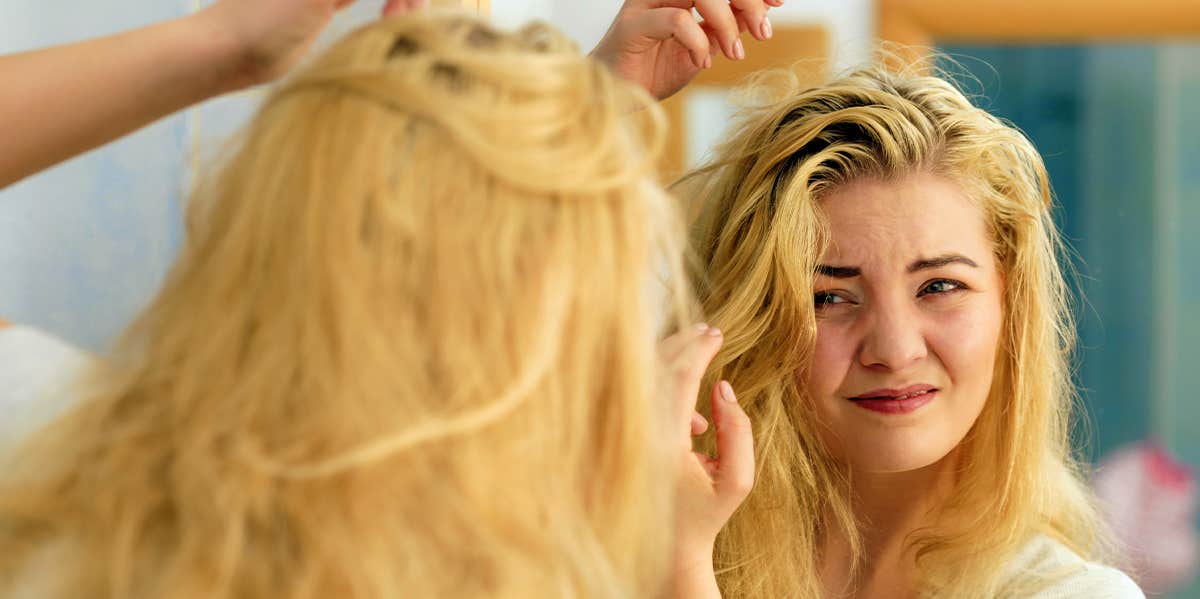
(1120, 132)
(84, 245)
(1090, 112)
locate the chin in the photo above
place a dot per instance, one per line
(896, 450)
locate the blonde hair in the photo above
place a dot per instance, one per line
(407, 351)
(759, 238)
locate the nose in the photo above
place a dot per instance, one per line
(893, 339)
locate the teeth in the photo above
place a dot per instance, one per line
(898, 397)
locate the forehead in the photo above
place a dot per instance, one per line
(918, 216)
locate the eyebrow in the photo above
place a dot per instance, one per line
(940, 261)
(849, 272)
(839, 272)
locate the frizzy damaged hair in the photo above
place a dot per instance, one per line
(759, 237)
(408, 349)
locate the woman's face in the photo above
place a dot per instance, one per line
(908, 304)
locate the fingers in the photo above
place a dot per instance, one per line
(677, 23)
(724, 26)
(753, 13)
(735, 445)
(691, 361)
(710, 465)
(714, 45)
(724, 20)
(395, 8)
(686, 357)
(670, 348)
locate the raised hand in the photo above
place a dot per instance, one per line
(659, 45)
(709, 488)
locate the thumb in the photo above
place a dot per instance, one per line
(735, 446)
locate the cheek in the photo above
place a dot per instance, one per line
(832, 356)
(965, 341)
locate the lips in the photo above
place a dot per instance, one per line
(896, 401)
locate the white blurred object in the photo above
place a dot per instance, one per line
(38, 373)
(1150, 501)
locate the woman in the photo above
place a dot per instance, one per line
(408, 351)
(881, 256)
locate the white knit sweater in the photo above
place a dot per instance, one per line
(1061, 574)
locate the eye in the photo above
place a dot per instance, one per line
(828, 299)
(941, 286)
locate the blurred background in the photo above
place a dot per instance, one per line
(1119, 127)
(1109, 92)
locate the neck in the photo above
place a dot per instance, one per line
(889, 508)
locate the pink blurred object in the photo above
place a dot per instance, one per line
(1150, 501)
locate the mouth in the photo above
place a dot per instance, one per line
(896, 401)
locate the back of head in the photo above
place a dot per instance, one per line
(760, 237)
(408, 349)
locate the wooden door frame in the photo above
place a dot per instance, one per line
(922, 24)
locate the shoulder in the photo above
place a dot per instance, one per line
(37, 374)
(1094, 582)
(1047, 569)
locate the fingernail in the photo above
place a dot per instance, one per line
(702, 327)
(739, 52)
(714, 332)
(708, 61)
(767, 32)
(727, 392)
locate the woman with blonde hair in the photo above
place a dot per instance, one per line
(408, 350)
(881, 256)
